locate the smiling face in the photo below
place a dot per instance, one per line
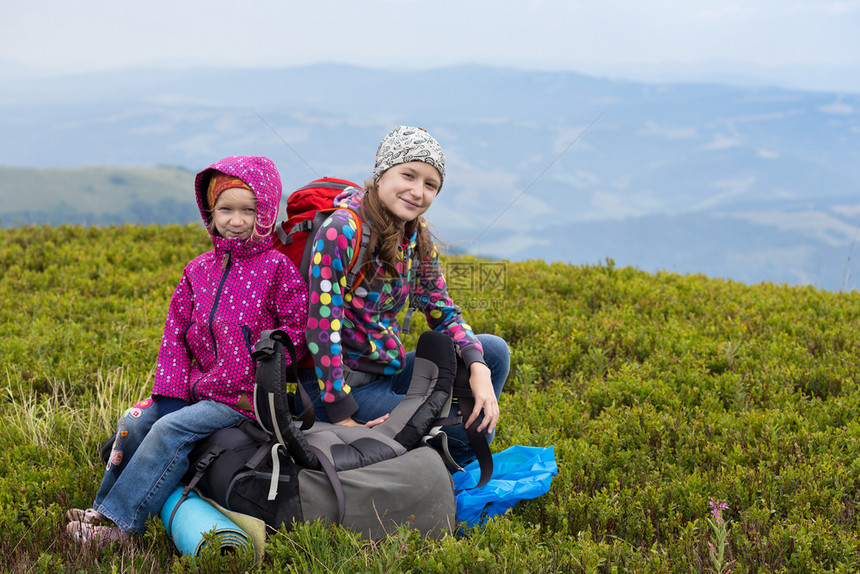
(235, 213)
(408, 189)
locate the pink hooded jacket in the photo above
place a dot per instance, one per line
(218, 310)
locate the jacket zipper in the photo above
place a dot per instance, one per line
(212, 319)
(246, 333)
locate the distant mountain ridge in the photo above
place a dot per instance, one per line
(755, 184)
(96, 196)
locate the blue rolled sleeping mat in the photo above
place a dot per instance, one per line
(196, 517)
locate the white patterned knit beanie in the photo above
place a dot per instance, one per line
(404, 144)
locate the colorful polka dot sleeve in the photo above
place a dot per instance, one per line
(431, 297)
(359, 330)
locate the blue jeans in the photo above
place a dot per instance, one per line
(150, 457)
(382, 395)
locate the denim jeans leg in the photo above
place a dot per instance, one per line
(132, 427)
(159, 463)
(377, 398)
(374, 399)
(308, 379)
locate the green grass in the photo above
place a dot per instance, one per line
(660, 392)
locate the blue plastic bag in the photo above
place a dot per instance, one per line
(519, 473)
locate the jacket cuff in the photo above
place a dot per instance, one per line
(342, 409)
(167, 405)
(472, 355)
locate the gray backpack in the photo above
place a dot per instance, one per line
(368, 480)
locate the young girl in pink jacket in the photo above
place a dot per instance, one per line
(204, 378)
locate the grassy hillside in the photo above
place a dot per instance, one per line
(96, 195)
(661, 393)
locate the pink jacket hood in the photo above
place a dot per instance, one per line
(260, 174)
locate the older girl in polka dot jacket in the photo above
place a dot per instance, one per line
(362, 370)
(204, 378)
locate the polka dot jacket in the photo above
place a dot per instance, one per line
(360, 330)
(222, 303)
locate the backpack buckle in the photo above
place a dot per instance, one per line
(265, 347)
(207, 459)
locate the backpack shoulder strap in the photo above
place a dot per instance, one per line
(282, 235)
(462, 394)
(200, 469)
(355, 267)
(270, 378)
(478, 441)
(312, 226)
(429, 394)
(355, 270)
(330, 472)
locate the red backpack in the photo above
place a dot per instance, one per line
(307, 208)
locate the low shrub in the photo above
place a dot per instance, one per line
(662, 394)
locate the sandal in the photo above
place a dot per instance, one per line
(88, 516)
(101, 536)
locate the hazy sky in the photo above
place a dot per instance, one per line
(800, 39)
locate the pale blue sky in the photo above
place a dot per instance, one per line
(807, 43)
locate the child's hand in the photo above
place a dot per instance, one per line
(379, 421)
(350, 422)
(485, 398)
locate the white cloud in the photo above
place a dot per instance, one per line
(159, 128)
(727, 188)
(721, 142)
(817, 224)
(605, 205)
(508, 248)
(768, 117)
(848, 210)
(485, 201)
(723, 12)
(180, 100)
(569, 138)
(622, 182)
(579, 179)
(767, 154)
(841, 8)
(533, 159)
(206, 143)
(837, 108)
(669, 132)
(735, 186)
(794, 260)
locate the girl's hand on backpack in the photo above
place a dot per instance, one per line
(374, 422)
(485, 398)
(351, 422)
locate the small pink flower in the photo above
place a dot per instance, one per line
(717, 507)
